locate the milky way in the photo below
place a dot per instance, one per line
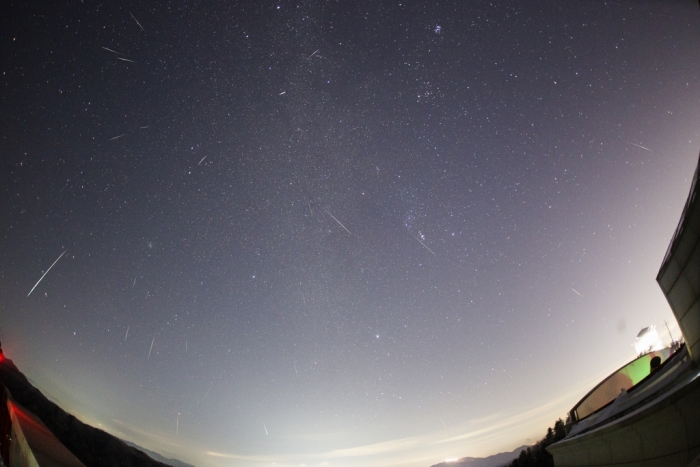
(344, 234)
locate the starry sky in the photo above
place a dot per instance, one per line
(364, 233)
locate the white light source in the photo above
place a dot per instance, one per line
(647, 340)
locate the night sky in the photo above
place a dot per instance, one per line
(363, 233)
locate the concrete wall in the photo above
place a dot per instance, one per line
(679, 277)
(666, 433)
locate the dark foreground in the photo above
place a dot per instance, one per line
(91, 446)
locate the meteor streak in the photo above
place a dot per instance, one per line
(116, 137)
(137, 22)
(265, 429)
(113, 51)
(47, 271)
(205, 232)
(210, 386)
(343, 225)
(426, 246)
(641, 147)
(576, 292)
(149, 350)
(127, 333)
(200, 162)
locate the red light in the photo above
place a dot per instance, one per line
(27, 417)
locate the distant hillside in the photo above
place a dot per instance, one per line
(159, 458)
(91, 446)
(537, 454)
(497, 460)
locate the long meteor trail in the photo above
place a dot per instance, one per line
(641, 147)
(113, 51)
(426, 246)
(338, 221)
(47, 271)
(137, 22)
(149, 350)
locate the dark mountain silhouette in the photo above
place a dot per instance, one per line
(497, 460)
(159, 458)
(93, 447)
(537, 454)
